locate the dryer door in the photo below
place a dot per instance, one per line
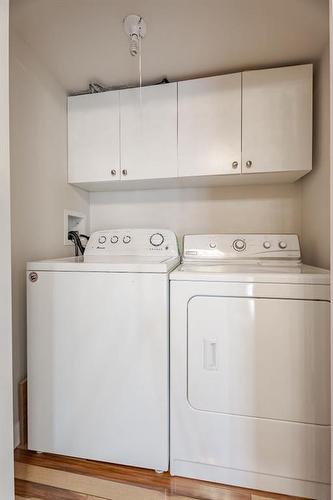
(259, 357)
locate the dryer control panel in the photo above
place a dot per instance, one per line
(141, 242)
(242, 247)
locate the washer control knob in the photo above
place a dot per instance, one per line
(126, 239)
(102, 240)
(239, 245)
(212, 245)
(114, 239)
(156, 239)
(267, 244)
(282, 245)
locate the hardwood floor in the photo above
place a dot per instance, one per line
(53, 477)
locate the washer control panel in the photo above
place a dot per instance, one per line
(241, 246)
(141, 242)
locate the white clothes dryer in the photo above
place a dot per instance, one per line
(250, 365)
(98, 349)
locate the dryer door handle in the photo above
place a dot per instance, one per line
(210, 354)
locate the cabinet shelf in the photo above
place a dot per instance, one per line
(192, 182)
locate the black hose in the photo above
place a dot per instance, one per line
(75, 238)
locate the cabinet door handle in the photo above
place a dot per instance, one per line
(113, 172)
(124, 171)
(248, 164)
(234, 164)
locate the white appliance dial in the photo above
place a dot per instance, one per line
(157, 239)
(114, 239)
(126, 239)
(267, 244)
(102, 240)
(283, 245)
(239, 245)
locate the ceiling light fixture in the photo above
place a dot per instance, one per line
(135, 28)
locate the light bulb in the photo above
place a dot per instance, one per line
(134, 44)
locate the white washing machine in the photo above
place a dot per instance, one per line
(250, 365)
(98, 349)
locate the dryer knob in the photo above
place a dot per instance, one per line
(114, 239)
(126, 239)
(282, 245)
(102, 240)
(267, 244)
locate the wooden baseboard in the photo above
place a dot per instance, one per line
(23, 413)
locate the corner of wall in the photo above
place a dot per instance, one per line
(39, 188)
(315, 190)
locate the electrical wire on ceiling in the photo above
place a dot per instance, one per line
(95, 88)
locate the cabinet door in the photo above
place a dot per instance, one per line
(93, 137)
(209, 126)
(148, 131)
(277, 119)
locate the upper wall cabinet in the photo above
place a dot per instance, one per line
(214, 131)
(93, 138)
(209, 126)
(277, 120)
(148, 132)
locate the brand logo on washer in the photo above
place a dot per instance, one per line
(33, 277)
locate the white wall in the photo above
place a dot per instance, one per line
(316, 185)
(273, 208)
(38, 133)
(6, 411)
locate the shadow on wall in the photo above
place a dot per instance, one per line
(268, 208)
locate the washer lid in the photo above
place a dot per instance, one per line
(114, 263)
(128, 250)
(258, 272)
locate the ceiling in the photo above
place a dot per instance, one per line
(83, 40)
